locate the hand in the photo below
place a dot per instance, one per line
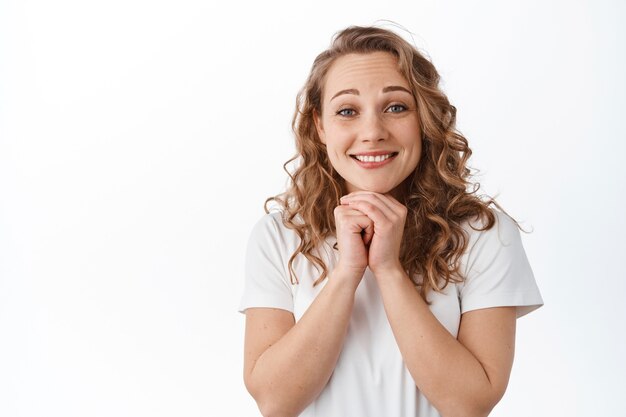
(354, 232)
(388, 217)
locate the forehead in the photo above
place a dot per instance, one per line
(369, 70)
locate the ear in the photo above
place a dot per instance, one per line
(318, 126)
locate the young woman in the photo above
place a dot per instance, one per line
(384, 286)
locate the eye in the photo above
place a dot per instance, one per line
(347, 112)
(396, 108)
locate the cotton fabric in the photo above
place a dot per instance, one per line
(370, 378)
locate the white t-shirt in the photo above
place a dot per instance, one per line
(370, 378)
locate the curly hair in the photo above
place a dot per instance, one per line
(438, 195)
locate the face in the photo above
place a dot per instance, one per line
(369, 122)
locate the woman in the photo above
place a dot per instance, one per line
(383, 287)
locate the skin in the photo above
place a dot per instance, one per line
(368, 106)
(287, 364)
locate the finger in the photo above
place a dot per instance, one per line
(374, 212)
(346, 210)
(351, 214)
(376, 198)
(391, 203)
(373, 199)
(358, 221)
(368, 233)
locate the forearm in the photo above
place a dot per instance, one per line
(446, 372)
(290, 374)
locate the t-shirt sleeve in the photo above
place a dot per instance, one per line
(267, 282)
(497, 271)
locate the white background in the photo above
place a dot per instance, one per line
(139, 140)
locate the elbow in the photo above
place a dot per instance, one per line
(267, 410)
(273, 412)
(465, 412)
(272, 409)
(258, 396)
(268, 405)
(475, 406)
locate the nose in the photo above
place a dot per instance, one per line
(372, 128)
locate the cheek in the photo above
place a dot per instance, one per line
(418, 152)
(337, 139)
(415, 154)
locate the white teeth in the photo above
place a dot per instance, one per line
(378, 158)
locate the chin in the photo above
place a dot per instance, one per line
(376, 188)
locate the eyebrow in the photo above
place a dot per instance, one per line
(385, 90)
(396, 88)
(350, 91)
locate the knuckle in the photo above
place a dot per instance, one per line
(385, 226)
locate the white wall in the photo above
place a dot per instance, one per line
(139, 139)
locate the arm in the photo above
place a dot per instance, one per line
(287, 364)
(464, 377)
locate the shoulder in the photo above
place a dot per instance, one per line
(271, 221)
(503, 232)
(498, 248)
(271, 229)
(496, 269)
(495, 247)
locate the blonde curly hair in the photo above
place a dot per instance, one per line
(438, 194)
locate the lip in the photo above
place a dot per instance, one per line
(373, 153)
(373, 165)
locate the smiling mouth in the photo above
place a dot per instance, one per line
(371, 158)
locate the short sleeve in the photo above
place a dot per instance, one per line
(497, 270)
(267, 282)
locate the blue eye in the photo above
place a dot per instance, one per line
(396, 108)
(346, 112)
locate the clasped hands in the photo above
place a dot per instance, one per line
(369, 232)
